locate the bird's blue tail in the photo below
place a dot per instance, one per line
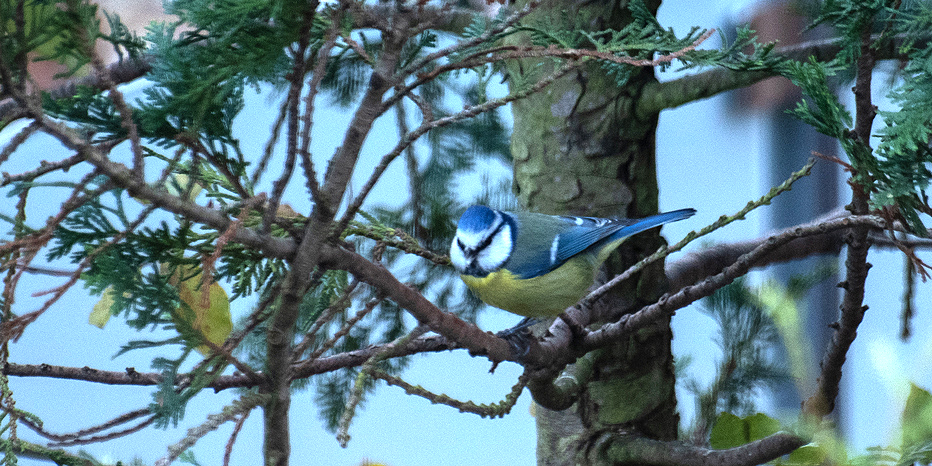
(646, 223)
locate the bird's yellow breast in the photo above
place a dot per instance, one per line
(546, 295)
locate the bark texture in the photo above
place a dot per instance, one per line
(579, 148)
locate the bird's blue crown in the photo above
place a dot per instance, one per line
(477, 218)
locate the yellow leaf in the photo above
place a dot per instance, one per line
(211, 316)
(101, 312)
(178, 184)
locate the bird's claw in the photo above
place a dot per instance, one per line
(519, 337)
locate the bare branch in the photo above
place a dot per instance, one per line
(125, 112)
(235, 410)
(444, 323)
(106, 437)
(228, 451)
(822, 402)
(428, 344)
(689, 294)
(14, 143)
(426, 126)
(118, 73)
(130, 416)
(305, 369)
(641, 450)
(659, 96)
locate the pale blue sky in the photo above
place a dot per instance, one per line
(706, 160)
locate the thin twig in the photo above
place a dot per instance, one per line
(276, 130)
(43, 168)
(595, 295)
(364, 373)
(465, 44)
(122, 419)
(324, 318)
(124, 111)
(324, 347)
(14, 328)
(122, 177)
(909, 293)
(15, 142)
(426, 126)
(317, 77)
(515, 52)
(228, 451)
(494, 410)
(233, 411)
(106, 437)
(670, 303)
(292, 136)
(658, 96)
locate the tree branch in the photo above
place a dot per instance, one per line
(471, 111)
(658, 96)
(640, 450)
(822, 402)
(444, 323)
(697, 265)
(689, 294)
(121, 72)
(305, 369)
(124, 178)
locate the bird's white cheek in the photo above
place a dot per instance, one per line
(457, 257)
(497, 252)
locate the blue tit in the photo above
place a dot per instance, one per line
(538, 265)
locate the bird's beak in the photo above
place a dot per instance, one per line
(474, 270)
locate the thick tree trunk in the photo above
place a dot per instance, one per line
(579, 149)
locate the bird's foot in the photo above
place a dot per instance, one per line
(519, 336)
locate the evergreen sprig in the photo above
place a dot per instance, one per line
(904, 153)
(64, 32)
(736, 56)
(895, 173)
(171, 398)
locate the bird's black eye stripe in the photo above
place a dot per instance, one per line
(462, 246)
(488, 239)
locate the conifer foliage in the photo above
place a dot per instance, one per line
(174, 224)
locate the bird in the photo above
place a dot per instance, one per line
(537, 265)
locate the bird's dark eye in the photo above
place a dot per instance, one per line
(462, 246)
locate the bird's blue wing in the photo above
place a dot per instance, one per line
(555, 240)
(588, 231)
(535, 254)
(582, 234)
